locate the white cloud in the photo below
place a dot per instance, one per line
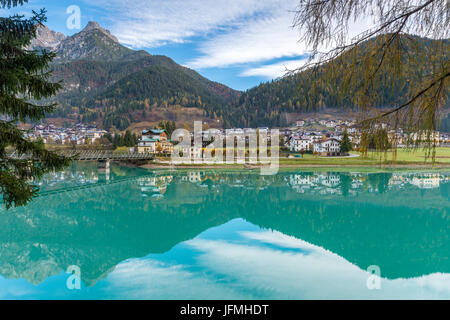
(257, 39)
(144, 23)
(273, 71)
(227, 32)
(232, 31)
(262, 38)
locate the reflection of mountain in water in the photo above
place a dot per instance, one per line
(367, 219)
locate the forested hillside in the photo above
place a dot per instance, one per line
(267, 103)
(114, 86)
(106, 83)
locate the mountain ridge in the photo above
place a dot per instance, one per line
(272, 102)
(92, 61)
(115, 86)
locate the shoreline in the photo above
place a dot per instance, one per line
(299, 166)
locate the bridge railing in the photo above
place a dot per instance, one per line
(94, 155)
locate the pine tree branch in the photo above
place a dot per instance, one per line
(412, 100)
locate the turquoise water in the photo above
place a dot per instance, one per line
(138, 234)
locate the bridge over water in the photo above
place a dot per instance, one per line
(101, 156)
(106, 155)
(95, 185)
(94, 155)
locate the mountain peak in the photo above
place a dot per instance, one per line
(46, 38)
(93, 25)
(93, 43)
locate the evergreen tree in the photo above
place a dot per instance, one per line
(346, 144)
(385, 58)
(129, 140)
(23, 79)
(117, 140)
(108, 137)
(169, 126)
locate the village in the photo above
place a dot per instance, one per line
(80, 134)
(314, 136)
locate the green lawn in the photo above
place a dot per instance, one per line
(403, 157)
(419, 155)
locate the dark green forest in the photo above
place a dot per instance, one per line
(105, 82)
(115, 86)
(309, 91)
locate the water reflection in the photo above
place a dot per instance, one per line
(299, 223)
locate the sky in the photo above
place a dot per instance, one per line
(240, 43)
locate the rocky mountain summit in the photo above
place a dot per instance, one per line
(46, 39)
(110, 84)
(94, 43)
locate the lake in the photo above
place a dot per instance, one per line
(227, 234)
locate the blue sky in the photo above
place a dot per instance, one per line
(240, 43)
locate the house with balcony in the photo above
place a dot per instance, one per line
(299, 144)
(328, 147)
(154, 141)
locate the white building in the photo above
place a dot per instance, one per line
(314, 137)
(329, 147)
(330, 124)
(298, 144)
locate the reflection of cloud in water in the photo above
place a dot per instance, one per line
(390, 222)
(260, 267)
(317, 274)
(150, 279)
(16, 291)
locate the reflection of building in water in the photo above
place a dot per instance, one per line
(299, 179)
(427, 181)
(397, 180)
(300, 182)
(194, 176)
(60, 179)
(322, 183)
(155, 185)
(357, 180)
(329, 191)
(335, 183)
(329, 180)
(420, 180)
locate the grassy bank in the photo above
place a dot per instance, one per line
(406, 159)
(417, 157)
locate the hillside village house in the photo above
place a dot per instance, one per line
(328, 147)
(304, 142)
(79, 134)
(195, 153)
(433, 137)
(444, 138)
(315, 136)
(330, 124)
(154, 141)
(94, 135)
(299, 144)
